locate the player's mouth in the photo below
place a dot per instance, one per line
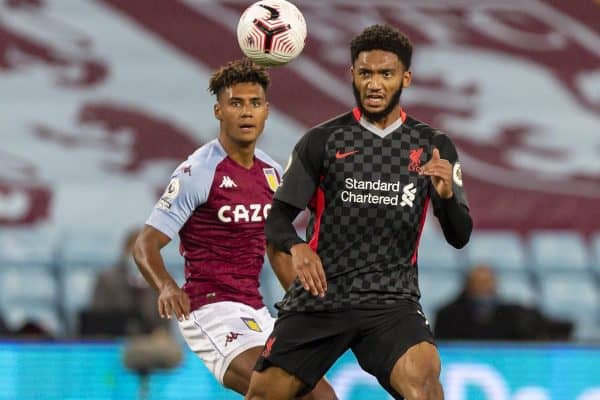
(374, 100)
(246, 128)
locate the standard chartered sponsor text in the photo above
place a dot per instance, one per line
(352, 184)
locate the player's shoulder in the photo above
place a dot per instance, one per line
(266, 159)
(203, 161)
(208, 155)
(321, 132)
(339, 121)
(437, 136)
(422, 127)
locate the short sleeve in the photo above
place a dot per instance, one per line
(187, 190)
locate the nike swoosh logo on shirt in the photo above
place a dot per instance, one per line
(339, 155)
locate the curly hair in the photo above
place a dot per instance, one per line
(382, 37)
(238, 71)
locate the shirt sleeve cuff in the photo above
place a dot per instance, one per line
(164, 223)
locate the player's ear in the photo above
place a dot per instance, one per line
(217, 111)
(406, 78)
(267, 108)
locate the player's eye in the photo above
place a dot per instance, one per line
(387, 74)
(364, 74)
(256, 103)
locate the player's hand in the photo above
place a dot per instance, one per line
(440, 171)
(173, 300)
(309, 269)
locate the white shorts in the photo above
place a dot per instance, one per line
(218, 332)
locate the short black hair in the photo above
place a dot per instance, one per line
(382, 37)
(238, 71)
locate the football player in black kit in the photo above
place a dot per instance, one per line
(367, 177)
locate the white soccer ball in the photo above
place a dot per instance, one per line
(271, 32)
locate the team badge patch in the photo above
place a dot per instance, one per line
(169, 195)
(252, 324)
(414, 159)
(457, 174)
(271, 176)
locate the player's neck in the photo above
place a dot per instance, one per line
(388, 120)
(241, 154)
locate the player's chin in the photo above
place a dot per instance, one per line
(247, 137)
(374, 108)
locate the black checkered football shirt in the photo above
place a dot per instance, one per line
(368, 205)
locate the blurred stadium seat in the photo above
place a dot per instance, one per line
(595, 250)
(43, 315)
(30, 293)
(28, 246)
(587, 330)
(558, 250)
(87, 248)
(28, 284)
(573, 296)
(569, 293)
(516, 287)
(501, 250)
(436, 253)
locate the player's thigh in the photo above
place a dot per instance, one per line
(274, 383)
(417, 369)
(238, 373)
(218, 333)
(386, 335)
(306, 345)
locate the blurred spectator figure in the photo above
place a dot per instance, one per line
(124, 305)
(122, 294)
(478, 314)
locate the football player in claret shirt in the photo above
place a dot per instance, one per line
(217, 201)
(367, 177)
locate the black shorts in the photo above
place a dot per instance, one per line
(306, 344)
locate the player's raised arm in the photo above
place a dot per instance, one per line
(147, 256)
(448, 196)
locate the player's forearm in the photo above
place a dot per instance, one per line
(455, 221)
(146, 254)
(281, 263)
(279, 228)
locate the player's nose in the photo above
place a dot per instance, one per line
(246, 112)
(374, 84)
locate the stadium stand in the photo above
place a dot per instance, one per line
(501, 250)
(558, 250)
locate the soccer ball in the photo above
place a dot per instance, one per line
(271, 32)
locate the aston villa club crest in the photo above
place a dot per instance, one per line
(252, 324)
(272, 179)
